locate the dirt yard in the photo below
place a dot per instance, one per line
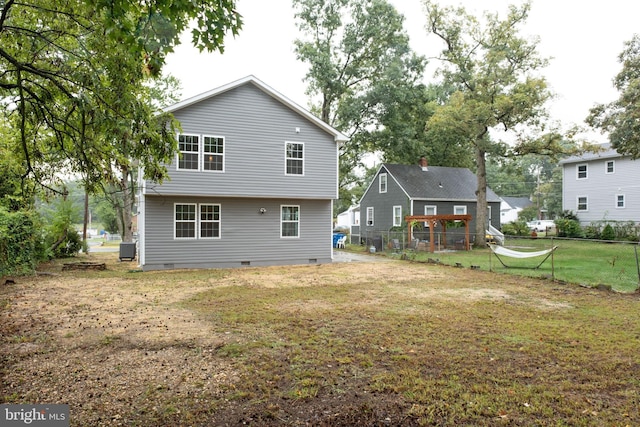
(122, 348)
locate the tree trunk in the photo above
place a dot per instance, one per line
(126, 208)
(481, 194)
(85, 221)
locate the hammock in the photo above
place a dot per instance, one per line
(499, 250)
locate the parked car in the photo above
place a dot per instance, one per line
(541, 225)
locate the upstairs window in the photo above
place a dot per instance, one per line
(610, 166)
(290, 221)
(382, 183)
(189, 150)
(294, 158)
(582, 171)
(213, 153)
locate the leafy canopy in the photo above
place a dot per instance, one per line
(621, 118)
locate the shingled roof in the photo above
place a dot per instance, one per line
(437, 182)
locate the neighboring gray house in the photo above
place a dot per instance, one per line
(253, 184)
(400, 190)
(510, 207)
(601, 186)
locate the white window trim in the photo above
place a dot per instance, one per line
(586, 198)
(199, 152)
(370, 210)
(435, 212)
(463, 207)
(293, 158)
(386, 183)
(613, 167)
(399, 223)
(283, 221)
(224, 150)
(195, 221)
(200, 221)
(624, 201)
(586, 171)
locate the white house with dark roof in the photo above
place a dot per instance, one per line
(399, 190)
(510, 207)
(601, 186)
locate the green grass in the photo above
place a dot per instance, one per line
(538, 355)
(575, 261)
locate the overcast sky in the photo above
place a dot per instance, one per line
(583, 38)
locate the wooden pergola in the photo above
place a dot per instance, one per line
(433, 220)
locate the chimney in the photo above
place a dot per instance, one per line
(423, 163)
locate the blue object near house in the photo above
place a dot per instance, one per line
(336, 237)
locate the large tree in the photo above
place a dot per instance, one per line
(621, 118)
(360, 66)
(494, 70)
(70, 74)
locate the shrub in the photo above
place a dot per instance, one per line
(20, 246)
(516, 228)
(569, 228)
(608, 233)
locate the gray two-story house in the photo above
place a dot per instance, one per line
(601, 186)
(253, 184)
(398, 190)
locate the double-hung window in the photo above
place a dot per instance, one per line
(582, 171)
(189, 152)
(290, 221)
(397, 216)
(620, 201)
(192, 221)
(370, 216)
(185, 221)
(382, 183)
(460, 210)
(294, 158)
(583, 204)
(430, 210)
(610, 166)
(209, 221)
(213, 153)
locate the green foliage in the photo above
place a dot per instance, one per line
(516, 228)
(608, 233)
(569, 215)
(620, 118)
(20, 248)
(62, 239)
(528, 214)
(365, 75)
(107, 216)
(73, 73)
(495, 72)
(569, 228)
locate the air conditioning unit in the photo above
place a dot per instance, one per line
(128, 251)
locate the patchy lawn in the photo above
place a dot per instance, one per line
(389, 343)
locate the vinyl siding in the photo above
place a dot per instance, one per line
(255, 127)
(248, 238)
(601, 189)
(383, 208)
